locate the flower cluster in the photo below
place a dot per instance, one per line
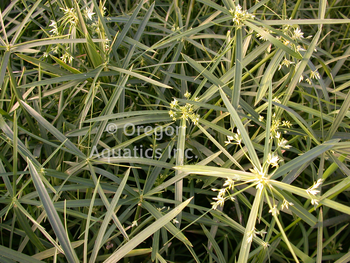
(295, 33)
(253, 233)
(239, 16)
(54, 29)
(334, 247)
(67, 57)
(312, 191)
(274, 210)
(292, 32)
(70, 16)
(275, 133)
(221, 197)
(262, 36)
(286, 63)
(261, 177)
(88, 14)
(236, 139)
(291, 36)
(313, 75)
(183, 112)
(286, 204)
(67, 26)
(272, 159)
(64, 26)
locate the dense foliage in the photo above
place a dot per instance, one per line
(169, 131)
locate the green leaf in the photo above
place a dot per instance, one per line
(107, 218)
(144, 234)
(180, 158)
(304, 158)
(22, 149)
(52, 215)
(47, 66)
(340, 116)
(52, 251)
(344, 259)
(217, 172)
(127, 26)
(139, 76)
(215, 245)
(210, 76)
(28, 230)
(86, 234)
(106, 201)
(215, 6)
(273, 40)
(17, 256)
(245, 136)
(266, 80)
(320, 237)
(174, 179)
(238, 68)
(250, 227)
(169, 226)
(52, 129)
(305, 22)
(221, 148)
(4, 62)
(24, 22)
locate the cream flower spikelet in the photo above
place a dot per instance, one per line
(274, 211)
(229, 183)
(272, 159)
(314, 75)
(236, 139)
(88, 13)
(313, 189)
(297, 34)
(286, 204)
(239, 16)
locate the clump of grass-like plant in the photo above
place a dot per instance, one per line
(194, 131)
